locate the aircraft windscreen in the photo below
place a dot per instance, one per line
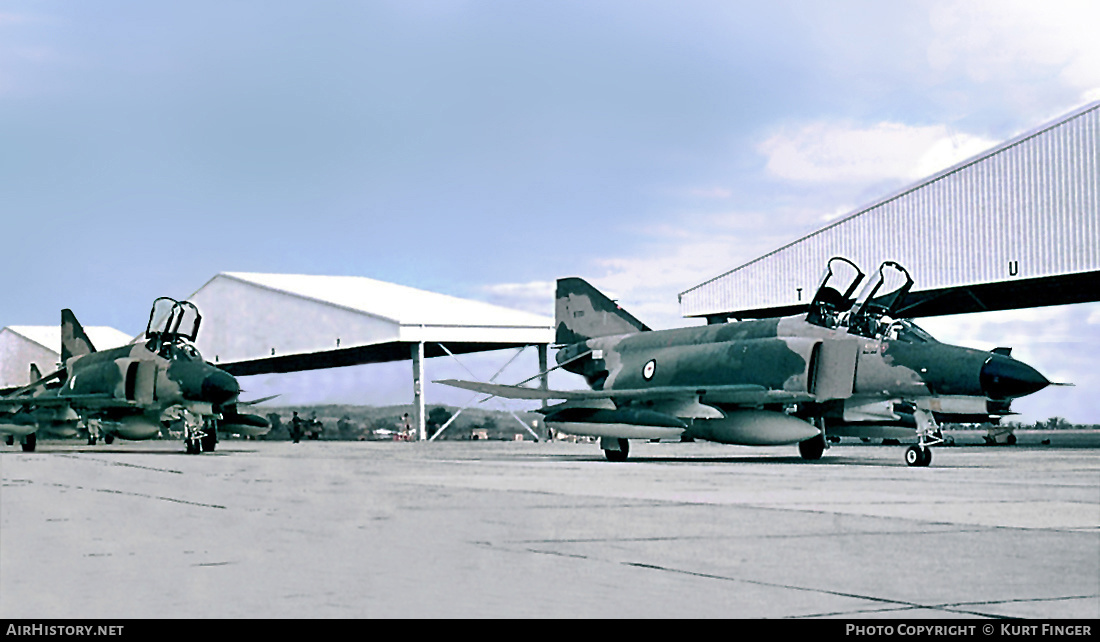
(909, 332)
(185, 352)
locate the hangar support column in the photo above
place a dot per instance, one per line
(544, 376)
(418, 391)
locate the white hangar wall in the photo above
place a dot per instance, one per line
(22, 345)
(251, 317)
(17, 353)
(278, 323)
(1026, 209)
(243, 320)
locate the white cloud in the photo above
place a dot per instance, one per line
(997, 40)
(535, 296)
(844, 152)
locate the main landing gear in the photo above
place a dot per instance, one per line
(615, 449)
(812, 448)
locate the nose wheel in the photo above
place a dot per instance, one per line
(928, 434)
(918, 456)
(198, 435)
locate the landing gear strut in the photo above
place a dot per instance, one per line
(193, 433)
(928, 434)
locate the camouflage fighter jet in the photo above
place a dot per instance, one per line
(132, 391)
(842, 365)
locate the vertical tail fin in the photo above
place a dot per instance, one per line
(582, 312)
(74, 342)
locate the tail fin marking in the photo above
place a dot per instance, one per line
(582, 312)
(74, 341)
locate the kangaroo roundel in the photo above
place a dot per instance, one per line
(648, 369)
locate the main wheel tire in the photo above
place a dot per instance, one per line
(812, 448)
(621, 454)
(29, 442)
(209, 441)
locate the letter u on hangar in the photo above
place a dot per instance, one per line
(274, 323)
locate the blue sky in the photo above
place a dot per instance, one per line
(483, 149)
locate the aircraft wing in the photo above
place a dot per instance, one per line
(741, 394)
(95, 401)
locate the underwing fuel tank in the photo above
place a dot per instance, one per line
(626, 423)
(754, 428)
(58, 422)
(248, 425)
(134, 427)
(19, 424)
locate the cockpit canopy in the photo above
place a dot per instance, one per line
(882, 296)
(833, 295)
(869, 314)
(173, 326)
(170, 319)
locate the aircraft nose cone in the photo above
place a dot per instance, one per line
(218, 387)
(1006, 378)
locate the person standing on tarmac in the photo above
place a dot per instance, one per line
(296, 428)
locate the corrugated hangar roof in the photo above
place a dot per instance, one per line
(398, 303)
(49, 336)
(1016, 226)
(256, 323)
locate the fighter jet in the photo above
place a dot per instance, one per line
(843, 364)
(132, 391)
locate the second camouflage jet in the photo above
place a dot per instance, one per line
(771, 381)
(132, 391)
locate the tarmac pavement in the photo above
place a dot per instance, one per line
(550, 530)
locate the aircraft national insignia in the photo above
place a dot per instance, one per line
(649, 369)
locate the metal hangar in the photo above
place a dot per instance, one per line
(273, 323)
(1016, 226)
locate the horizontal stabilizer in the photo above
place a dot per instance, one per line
(32, 387)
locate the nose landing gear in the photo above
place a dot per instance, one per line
(928, 434)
